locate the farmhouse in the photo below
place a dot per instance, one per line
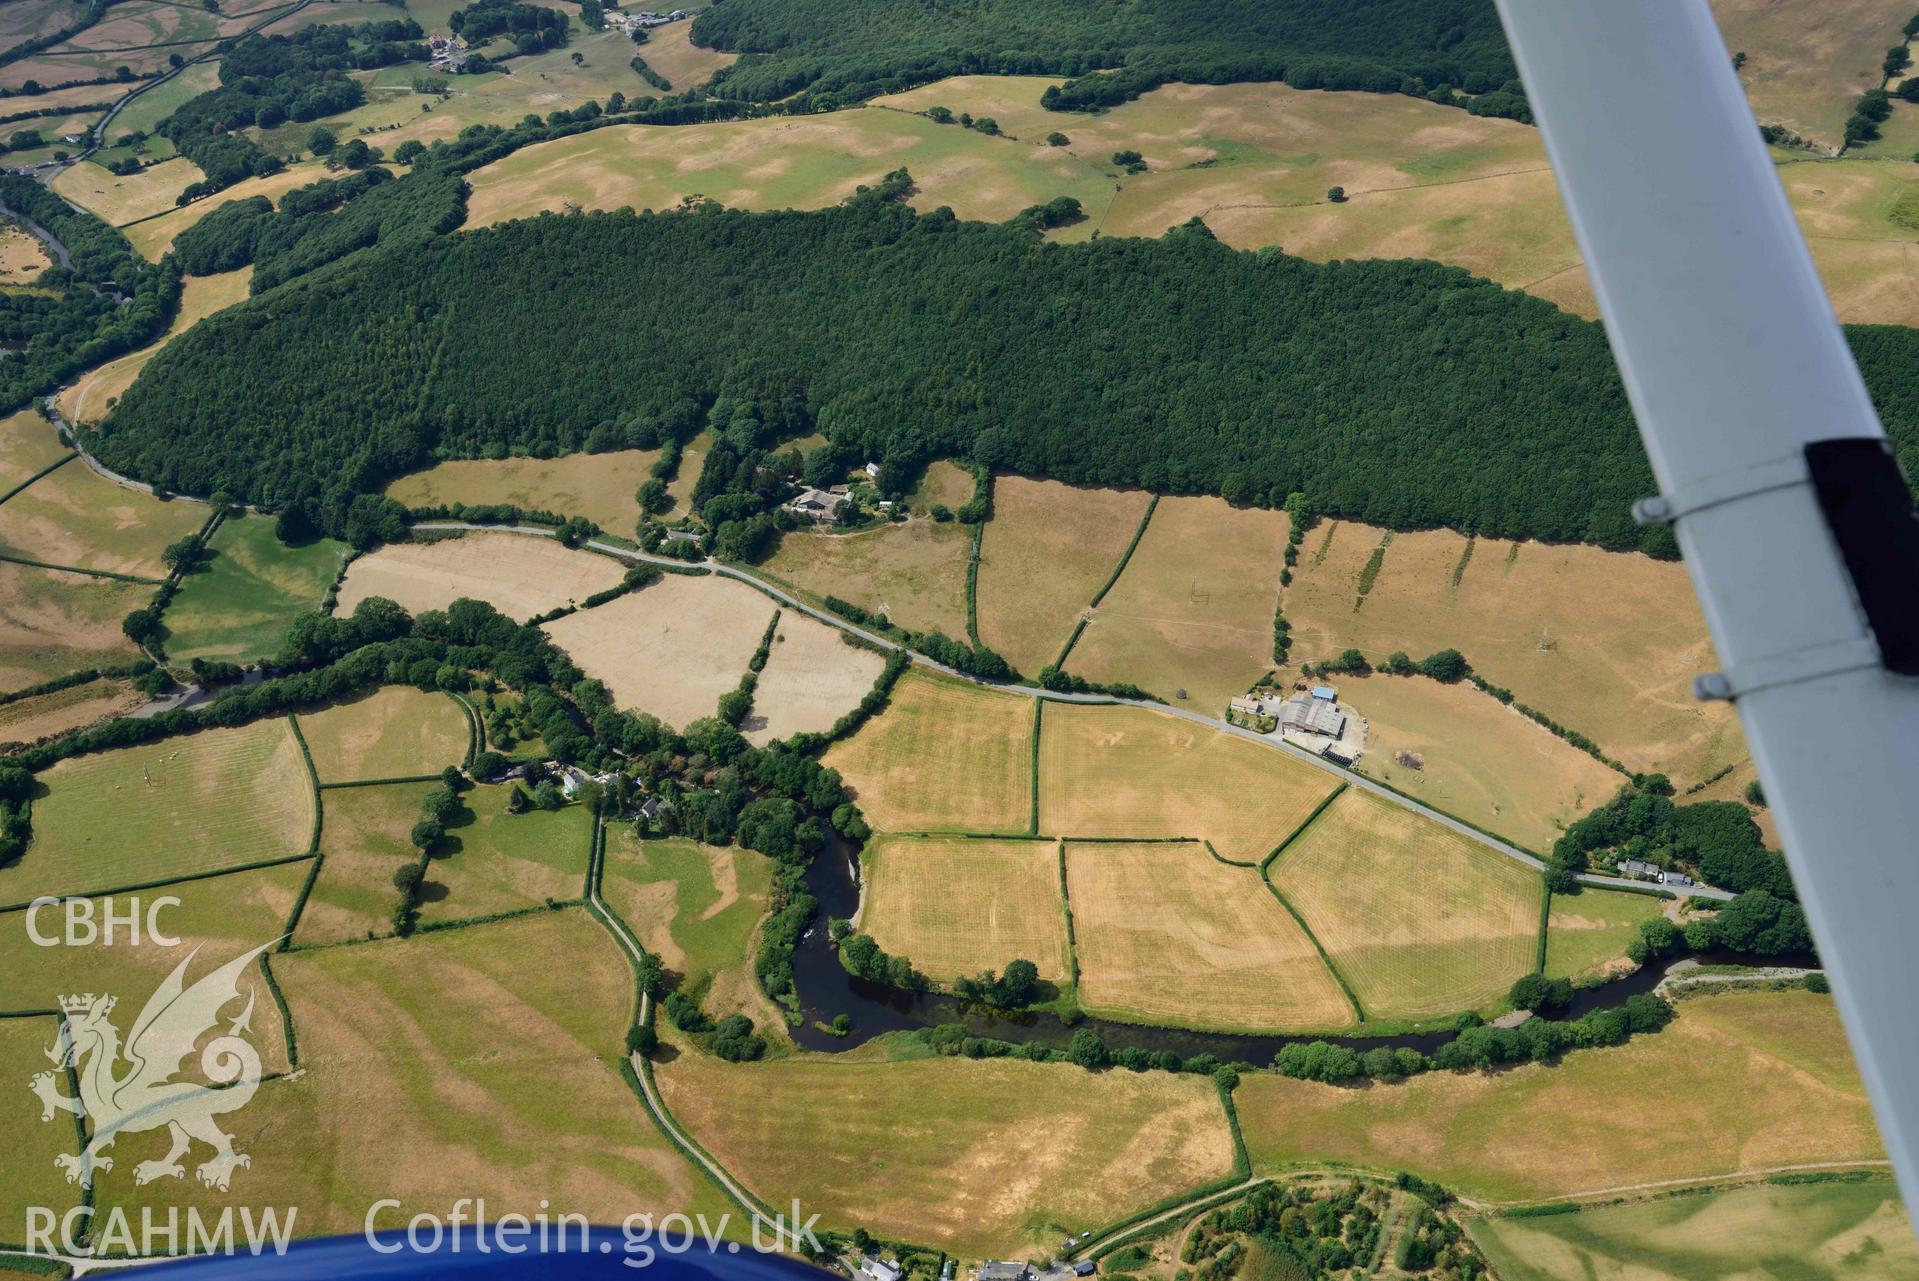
(815, 505)
(1004, 1270)
(877, 1269)
(1640, 871)
(1311, 714)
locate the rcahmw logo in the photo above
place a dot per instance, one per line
(128, 1087)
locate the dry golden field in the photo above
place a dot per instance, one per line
(180, 807)
(27, 446)
(1420, 920)
(395, 731)
(22, 256)
(672, 648)
(1476, 758)
(1587, 932)
(1606, 643)
(498, 1067)
(811, 679)
(1807, 65)
(915, 573)
(943, 756)
(518, 574)
(1129, 772)
(1784, 1092)
(122, 199)
(956, 906)
(76, 517)
(1048, 548)
(599, 487)
(695, 906)
(363, 841)
(670, 51)
(1165, 932)
(907, 1150)
(222, 916)
(52, 623)
(90, 398)
(75, 707)
(1193, 609)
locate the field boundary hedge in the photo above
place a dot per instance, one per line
(313, 780)
(84, 676)
(187, 879)
(972, 587)
(1300, 831)
(473, 736)
(90, 573)
(1066, 903)
(1039, 710)
(55, 465)
(1221, 858)
(380, 782)
(1352, 997)
(1152, 505)
(286, 1014)
(300, 903)
(1545, 922)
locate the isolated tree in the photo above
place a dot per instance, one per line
(1057, 139)
(1336, 194)
(321, 140)
(1755, 794)
(1087, 1050)
(1018, 984)
(1127, 158)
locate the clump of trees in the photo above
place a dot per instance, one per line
(1718, 839)
(1014, 988)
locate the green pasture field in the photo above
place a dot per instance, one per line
(956, 906)
(464, 1054)
(943, 756)
(395, 731)
(1819, 1232)
(364, 839)
(223, 916)
(696, 907)
(179, 807)
(52, 623)
(239, 605)
(30, 1178)
(906, 1149)
(1420, 920)
(1587, 932)
(1128, 772)
(1784, 1092)
(145, 112)
(492, 861)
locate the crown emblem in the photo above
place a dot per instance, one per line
(87, 1002)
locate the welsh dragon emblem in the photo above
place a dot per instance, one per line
(143, 1096)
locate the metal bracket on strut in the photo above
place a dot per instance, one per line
(1859, 653)
(1765, 478)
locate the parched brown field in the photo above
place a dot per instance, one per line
(907, 1150)
(119, 200)
(811, 679)
(915, 573)
(670, 51)
(216, 799)
(1479, 759)
(52, 623)
(363, 841)
(76, 517)
(27, 446)
(1606, 643)
(599, 487)
(1420, 920)
(1784, 1092)
(498, 1068)
(1587, 932)
(93, 396)
(22, 256)
(1806, 67)
(1129, 772)
(1166, 932)
(153, 237)
(222, 916)
(787, 162)
(1048, 548)
(394, 732)
(48, 715)
(1194, 608)
(672, 648)
(519, 574)
(956, 906)
(943, 756)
